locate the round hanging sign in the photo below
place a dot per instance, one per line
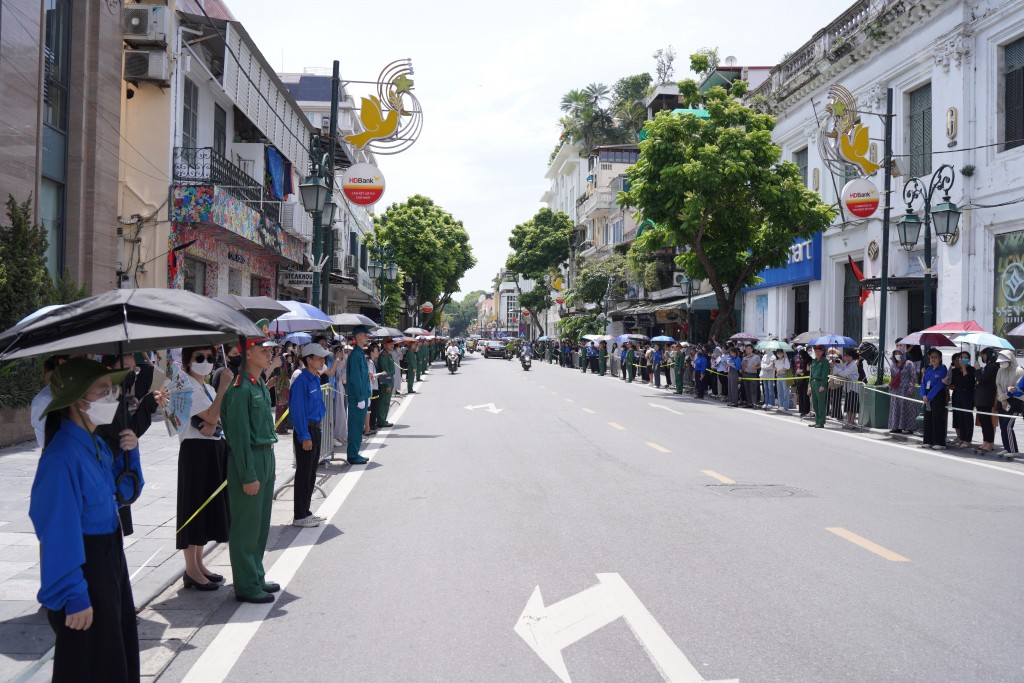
(363, 184)
(860, 197)
(427, 307)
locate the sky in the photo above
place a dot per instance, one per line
(489, 76)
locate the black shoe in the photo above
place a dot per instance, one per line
(271, 587)
(191, 583)
(359, 460)
(216, 578)
(256, 599)
(386, 424)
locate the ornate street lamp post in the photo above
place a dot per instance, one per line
(382, 268)
(946, 215)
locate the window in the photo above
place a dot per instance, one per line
(56, 81)
(190, 116)
(800, 159)
(1013, 55)
(220, 130)
(195, 276)
(234, 281)
(364, 258)
(353, 242)
(55, 63)
(617, 231)
(921, 131)
(255, 286)
(51, 216)
(802, 308)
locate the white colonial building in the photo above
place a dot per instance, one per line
(957, 72)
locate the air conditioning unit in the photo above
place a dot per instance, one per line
(337, 260)
(325, 125)
(145, 24)
(350, 264)
(679, 279)
(288, 217)
(146, 65)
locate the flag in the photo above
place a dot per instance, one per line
(864, 293)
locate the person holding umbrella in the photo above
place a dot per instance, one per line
(357, 388)
(84, 575)
(248, 421)
(818, 386)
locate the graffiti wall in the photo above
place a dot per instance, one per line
(229, 265)
(211, 205)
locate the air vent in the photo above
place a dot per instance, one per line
(141, 24)
(145, 65)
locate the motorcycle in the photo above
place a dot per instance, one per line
(451, 359)
(526, 362)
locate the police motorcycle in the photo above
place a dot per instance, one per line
(526, 357)
(451, 358)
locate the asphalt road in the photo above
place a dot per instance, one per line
(830, 557)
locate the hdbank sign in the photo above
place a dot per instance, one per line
(804, 265)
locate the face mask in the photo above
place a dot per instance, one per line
(897, 356)
(203, 369)
(102, 412)
(234, 362)
(1004, 364)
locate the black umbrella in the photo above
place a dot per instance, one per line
(254, 307)
(127, 320)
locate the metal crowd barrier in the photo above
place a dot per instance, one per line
(327, 424)
(845, 400)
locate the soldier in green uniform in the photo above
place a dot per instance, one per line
(249, 429)
(357, 388)
(410, 367)
(417, 359)
(386, 364)
(602, 358)
(630, 362)
(818, 386)
(678, 363)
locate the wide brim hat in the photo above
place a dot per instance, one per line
(70, 381)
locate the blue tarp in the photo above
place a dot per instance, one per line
(275, 167)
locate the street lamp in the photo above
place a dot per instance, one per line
(686, 287)
(946, 214)
(382, 268)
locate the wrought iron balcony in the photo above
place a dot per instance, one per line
(205, 166)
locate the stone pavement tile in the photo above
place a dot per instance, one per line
(10, 569)
(25, 609)
(24, 589)
(14, 538)
(168, 624)
(20, 553)
(21, 638)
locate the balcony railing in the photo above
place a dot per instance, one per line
(205, 166)
(599, 200)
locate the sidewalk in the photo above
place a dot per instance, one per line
(153, 562)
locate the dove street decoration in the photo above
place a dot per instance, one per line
(392, 119)
(842, 140)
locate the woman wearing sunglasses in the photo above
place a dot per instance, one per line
(84, 576)
(202, 466)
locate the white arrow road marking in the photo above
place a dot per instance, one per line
(660, 407)
(549, 630)
(489, 407)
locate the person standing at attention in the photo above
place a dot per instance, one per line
(386, 364)
(307, 408)
(818, 386)
(358, 390)
(248, 421)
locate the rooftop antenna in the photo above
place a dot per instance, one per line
(730, 61)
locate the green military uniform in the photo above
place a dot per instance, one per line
(410, 369)
(387, 364)
(249, 430)
(630, 365)
(417, 362)
(819, 390)
(677, 362)
(602, 359)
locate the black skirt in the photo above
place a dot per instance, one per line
(202, 467)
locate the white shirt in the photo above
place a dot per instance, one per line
(202, 399)
(39, 404)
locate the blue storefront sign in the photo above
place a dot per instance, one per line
(804, 265)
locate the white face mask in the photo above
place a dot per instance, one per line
(202, 369)
(102, 412)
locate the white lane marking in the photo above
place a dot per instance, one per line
(549, 630)
(221, 655)
(660, 407)
(487, 406)
(616, 425)
(719, 477)
(569, 400)
(588, 410)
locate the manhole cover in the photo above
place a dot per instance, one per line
(760, 491)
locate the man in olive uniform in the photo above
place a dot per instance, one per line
(357, 388)
(602, 358)
(818, 387)
(249, 429)
(678, 363)
(410, 367)
(417, 359)
(630, 362)
(386, 364)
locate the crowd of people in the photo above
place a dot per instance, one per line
(88, 420)
(985, 390)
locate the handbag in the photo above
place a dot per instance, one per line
(894, 381)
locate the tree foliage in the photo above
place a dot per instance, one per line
(591, 284)
(663, 65)
(574, 327)
(24, 280)
(540, 247)
(718, 186)
(463, 313)
(599, 115)
(430, 247)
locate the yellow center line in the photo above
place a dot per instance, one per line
(569, 400)
(660, 449)
(719, 477)
(588, 410)
(616, 425)
(866, 544)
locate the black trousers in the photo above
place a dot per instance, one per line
(108, 651)
(803, 398)
(988, 428)
(935, 421)
(698, 384)
(305, 471)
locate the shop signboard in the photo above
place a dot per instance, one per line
(1008, 311)
(804, 265)
(362, 184)
(297, 279)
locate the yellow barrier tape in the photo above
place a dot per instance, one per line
(213, 495)
(283, 416)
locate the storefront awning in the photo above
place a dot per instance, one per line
(708, 302)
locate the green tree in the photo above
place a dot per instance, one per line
(663, 64)
(589, 121)
(24, 281)
(591, 284)
(430, 247)
(717, 186)
(628, 104)
(463, 313)
(540, 247)
(574, 327)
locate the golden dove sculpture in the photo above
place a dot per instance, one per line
(853, 147)
(377, 125)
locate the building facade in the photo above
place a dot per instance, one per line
(957, 73)
(215, 149)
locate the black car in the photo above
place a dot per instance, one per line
(494, 348)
